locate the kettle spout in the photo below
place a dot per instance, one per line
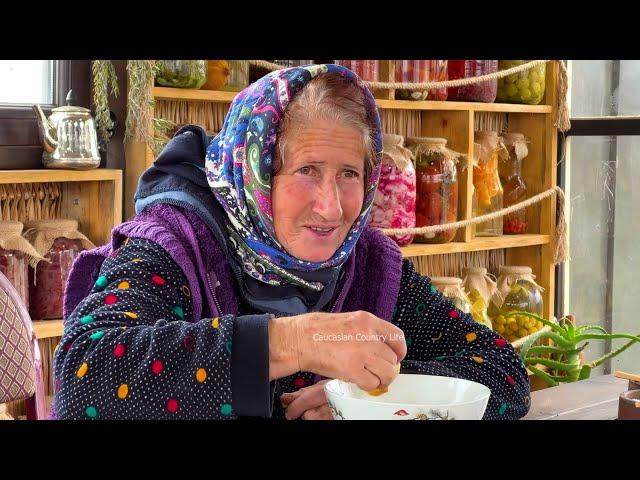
(48, 134)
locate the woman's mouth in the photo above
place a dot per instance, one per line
(321, 231)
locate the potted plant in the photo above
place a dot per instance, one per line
(563, 358)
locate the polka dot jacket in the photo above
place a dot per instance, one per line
(131, 349)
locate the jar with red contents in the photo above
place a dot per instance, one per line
(394, 205)
(476, 92)
(420, 71)
(15, 254)
(515, 190)
(59, 242)
(367, 70)
(436, 186)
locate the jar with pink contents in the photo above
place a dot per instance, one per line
(15, 255)
(59, 242)
(394, 205)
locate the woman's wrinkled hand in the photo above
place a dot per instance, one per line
(309, 403)
(356, 347)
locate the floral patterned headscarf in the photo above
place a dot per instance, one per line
(239, 165)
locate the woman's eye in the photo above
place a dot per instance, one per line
(351, 174)
(305, 170)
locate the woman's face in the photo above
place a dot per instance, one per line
(318, 193)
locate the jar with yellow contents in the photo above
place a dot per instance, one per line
(487, 192)
(524, 296)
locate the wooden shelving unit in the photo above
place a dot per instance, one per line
(94, 199)
(454, 121)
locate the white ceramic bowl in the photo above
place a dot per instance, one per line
(410, 397)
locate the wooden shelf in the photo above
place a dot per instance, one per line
(47, 328)
(466, 106)
(52, 175)
(477, 244)
(168, 93)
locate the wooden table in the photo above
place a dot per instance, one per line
(592, 399)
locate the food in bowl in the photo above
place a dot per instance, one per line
(410, 397)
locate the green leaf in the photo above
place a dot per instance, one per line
(543, 375)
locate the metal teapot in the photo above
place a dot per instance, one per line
(68, 136)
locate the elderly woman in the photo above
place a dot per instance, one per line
(248, 276)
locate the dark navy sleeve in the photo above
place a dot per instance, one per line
(131, 349)
(441, 340)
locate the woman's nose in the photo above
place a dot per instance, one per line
(327, 201)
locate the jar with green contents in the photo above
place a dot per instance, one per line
(181, 73)
(524, 87)
(517, 291)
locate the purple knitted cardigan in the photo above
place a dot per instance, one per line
(371, 281)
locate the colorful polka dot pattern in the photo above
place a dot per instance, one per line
(108, 371)
(447, 342)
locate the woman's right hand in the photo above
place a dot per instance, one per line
(357, 347)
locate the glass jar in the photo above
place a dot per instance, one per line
(487, 192)
(436, 186)
(419, 71)
(14, 258)
(59, 242)
(480, 287)
(182, 73)
(524, 87)
(523, 296)
(475, 92)
(451, 287)
(238, 75)
(367, 70)
(515, 190)
(508, 275)
(394, 205)
(218, 72)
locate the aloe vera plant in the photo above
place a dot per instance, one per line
(563, 358)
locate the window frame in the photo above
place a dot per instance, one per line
(19, 137)
(603, 126)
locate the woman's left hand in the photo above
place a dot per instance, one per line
(310, 403)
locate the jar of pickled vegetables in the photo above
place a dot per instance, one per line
(476, 92)
(420, 71)
(524, 87)
(451, 287)
(15, 254)
(367, 70)
(480, 287)
(394, 205)
(59, 242)
(436, 186)
(508, 275)
(523, 296)
(515, 190)
(238, 75)
(487, 192)
(182, 73)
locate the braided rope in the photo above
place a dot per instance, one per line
(472, 221)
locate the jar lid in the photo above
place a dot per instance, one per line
(485, 134)
(10, 227)
(446, 281)
(475, 270)
(510, 269)
(428, 140)
(514, 137)
(58, 224)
